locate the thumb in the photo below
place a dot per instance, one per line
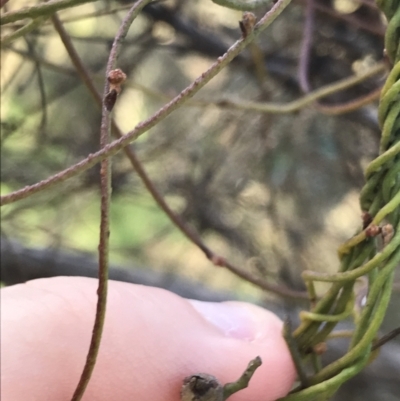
(152, 339)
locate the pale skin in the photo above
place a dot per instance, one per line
(152, 340)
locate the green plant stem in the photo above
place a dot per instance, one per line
(323, 391)
(244, 379)
(284, 108)
(366, 341)
(40, 10)
(393, 245)
(390, 81)
(391, 96)
(388, 155)
(35, 23)
(242, 5)
(318, 317)
(294, 352)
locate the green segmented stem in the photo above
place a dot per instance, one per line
(360, 256)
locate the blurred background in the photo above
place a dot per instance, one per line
(273, 192)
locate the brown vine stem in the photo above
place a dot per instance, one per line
(351, 20)
(305, 49)
(352, 105)
(190, 233)
(150, 122)
(310, 98)
(386, 338)
(105, 187)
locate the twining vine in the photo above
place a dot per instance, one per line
(374, 252)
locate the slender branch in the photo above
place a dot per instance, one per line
(294, 352)
(6, 39)
(242, 5)
(259, 282)
(386, 338)
(350, 19)
(144, 126)
(352, 105)
(105, 187)
(305, 48)
(284, 108)
(95, 14)
(40, 10)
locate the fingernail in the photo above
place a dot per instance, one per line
(235, 319)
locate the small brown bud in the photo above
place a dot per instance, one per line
(116, 77)
(218, 260)
(387, 233)
(372, 230)
(247, 23)
(366, 219)
(320, 348)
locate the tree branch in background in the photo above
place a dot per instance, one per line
(40, 10)
(306, 46)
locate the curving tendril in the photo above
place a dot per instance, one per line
(374, 252)
(242, 5)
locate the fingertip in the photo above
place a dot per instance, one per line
(152, 339)
(255, 332)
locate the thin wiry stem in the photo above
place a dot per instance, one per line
(242, 5)
(30, 26)
(40, 10)
(105, 187)
(294, 352)
(350, 19)
(290, 107)
(386, 338)
(95, 14)
(352, 105)
(305, 48)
